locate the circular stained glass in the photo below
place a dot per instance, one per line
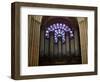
(59, 30)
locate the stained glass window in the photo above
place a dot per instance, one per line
(59, 30)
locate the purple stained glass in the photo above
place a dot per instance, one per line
(64, 25)
(71, 35)
(59, 30)
(47, 31)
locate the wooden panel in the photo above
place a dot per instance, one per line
(33, 42)
(67, 46)
(72, 46)
(76, 43)
(59, 49)
(51, 46)
(63, 50)
(42, 38)
(55, 50)
(46, 51)
(83, 39)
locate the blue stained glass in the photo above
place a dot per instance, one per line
(57, 24)
(59, 30)
(47, 31)
(70, 31)
(71, 35)
(60, 24)
(64, 25)
(55, 31)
